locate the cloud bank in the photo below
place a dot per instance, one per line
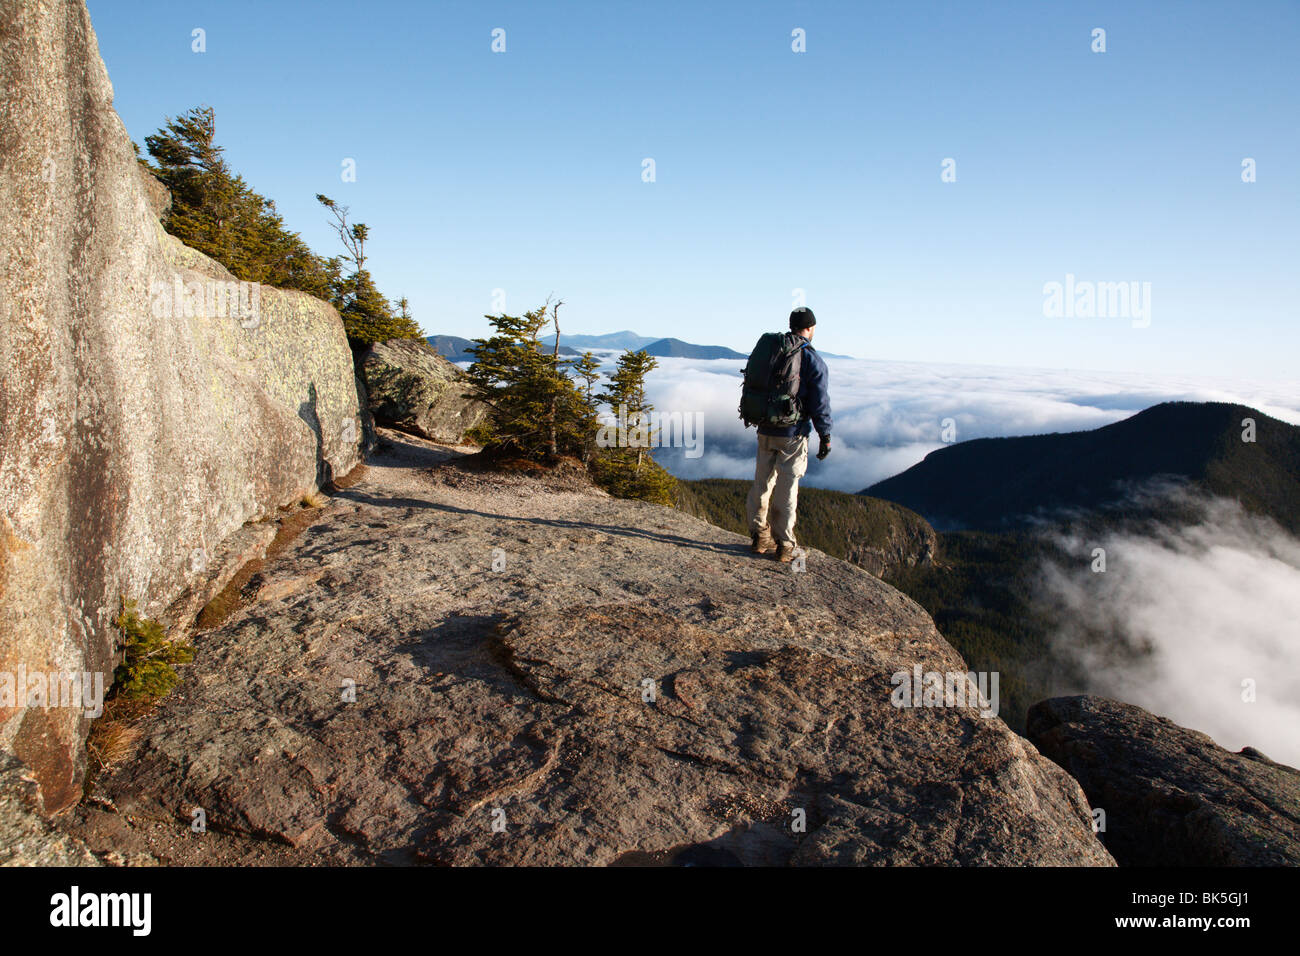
(889, 415)
(1185, 620)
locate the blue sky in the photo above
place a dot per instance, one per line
(776, 170)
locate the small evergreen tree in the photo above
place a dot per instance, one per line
(587, 370)
(367, 315)
(540, 412)
(537, 411)
(626, 469)
(148, 663)
(625, 395)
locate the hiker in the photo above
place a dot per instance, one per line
(785, 395)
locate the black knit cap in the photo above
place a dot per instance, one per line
(802, 318)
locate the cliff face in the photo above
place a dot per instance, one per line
(905, 545)
(458, 667)
(149, 405)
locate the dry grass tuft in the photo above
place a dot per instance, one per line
(114, 736)
(315, 499)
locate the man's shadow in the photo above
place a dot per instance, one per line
(307, 412)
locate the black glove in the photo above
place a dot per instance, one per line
(824, 448)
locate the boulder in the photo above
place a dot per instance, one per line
(150, 405)
(413, 388)
(1171, 796)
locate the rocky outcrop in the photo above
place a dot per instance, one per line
(149, 405)
(1171, 796)
(413, 388)
(907, 544)
(457, 667)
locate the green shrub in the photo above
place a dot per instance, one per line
(147, 671)
(619, 472)
(481, 434)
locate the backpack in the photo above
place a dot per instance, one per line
(770, 395)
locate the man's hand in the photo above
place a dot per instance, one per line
(824, 448)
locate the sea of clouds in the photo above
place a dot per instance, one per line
(890, 415)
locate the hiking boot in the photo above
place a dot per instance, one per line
(763, 542)
(785, 552)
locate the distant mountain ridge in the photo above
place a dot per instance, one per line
(1000, 483)
(676, 348)
(609, 340)
(456, 349)
(451, 347)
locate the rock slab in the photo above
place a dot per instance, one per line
(461, 668)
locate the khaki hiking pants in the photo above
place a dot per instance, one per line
(774, 496)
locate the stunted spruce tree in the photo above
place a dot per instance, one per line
(538, 413)
(541, 413)
(214, 211)
(367, 315)
(625, 467)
